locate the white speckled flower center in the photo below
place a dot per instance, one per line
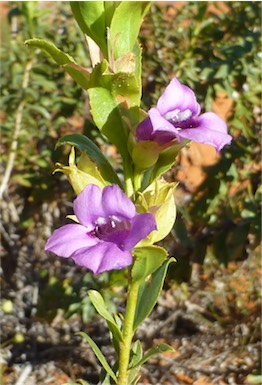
(177, 116)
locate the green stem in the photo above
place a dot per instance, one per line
(137, 180)
(128, 333)
(128, 174)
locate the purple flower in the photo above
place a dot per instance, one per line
(176, 116)
(108, 229)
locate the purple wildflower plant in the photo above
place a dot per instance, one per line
(108, 228)
(177, 116)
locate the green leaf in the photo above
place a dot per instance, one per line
(125, 90)
(98, 354)
(98, 302)
(41, 110)
(147, 261)
(158, 349)
(149, 292)
(136, 356)
(51, 50)
(125, 26)
(90, 16)
(137, 50)
(113, 96)
(107, 117)
(82, 143)
(77, 72)
(165, 161)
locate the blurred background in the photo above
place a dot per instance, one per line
(210, 306)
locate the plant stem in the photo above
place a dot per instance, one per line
(128, 174)
(128, 333)
(137, 180)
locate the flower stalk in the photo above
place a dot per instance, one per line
(128, 333)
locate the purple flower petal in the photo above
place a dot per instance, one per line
(102, 257)
(155, 128)
(109, 228)
(163, 130)
(142, 226)
(178, 96)
(69, 238)
(176, 116)
(88, 206)
(208, 128)
(115, 202)
(144, 130)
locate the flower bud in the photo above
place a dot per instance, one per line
(158, 199)
(82, 174)
(145, 154)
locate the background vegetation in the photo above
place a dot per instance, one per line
(211, 46)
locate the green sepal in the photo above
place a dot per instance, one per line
(125, 26)
(99, 303)
(78, 73)
(145, 154)
(158, 349)
(158, 199)
(165, 161)
(147, 260)
(98, 354)
(82, 143)
(86, 165)
(81, 174)
(149, 292)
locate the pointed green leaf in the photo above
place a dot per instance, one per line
(99, 303)
(90, 16)
(136, 356)
(147, 261)
(113, 96)
(107, 117)
(125, 90)
(99, 355)
(137, 50)
(51, 50)
(105, 380)
(149, 292)
(82, 143)
(125, 26)
(158, 349)
(78, 73)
